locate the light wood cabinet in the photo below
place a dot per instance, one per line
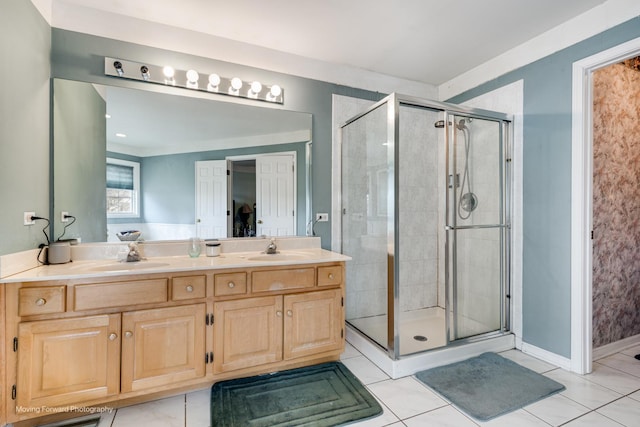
(134, 337)
(68, 361)
(162, 346)
(270, 329)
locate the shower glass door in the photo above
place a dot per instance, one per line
(476, 226)
(367, 223)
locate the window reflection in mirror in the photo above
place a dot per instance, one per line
(166, 135)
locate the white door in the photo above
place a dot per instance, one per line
(275, 194)
(211, 199)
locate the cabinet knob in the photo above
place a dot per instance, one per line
(128, 334)
(113, 336)
(41, 301)
(289, 313)
(189, 288)
(279, 313)
(232, 285)
(331, 276)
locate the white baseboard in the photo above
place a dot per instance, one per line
(546, 356)
(615, 347)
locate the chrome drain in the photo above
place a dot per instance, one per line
(420, 338)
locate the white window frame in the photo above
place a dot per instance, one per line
(135, 202)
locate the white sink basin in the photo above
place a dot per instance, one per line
(280, 256)
(130, 266)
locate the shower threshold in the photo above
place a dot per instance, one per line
(409, 365)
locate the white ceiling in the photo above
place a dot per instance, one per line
(428, 41)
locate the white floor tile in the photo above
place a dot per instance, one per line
(557, 409)
(446, 416)
(365, 370)
(622, 362)
(593, 419)
(583, 391)
(406, 397)
(527, 361)
(198, 408)
(385, 419)
(159, 413)
(626, 411)
(519, 418)
(632, 351)
(349, 352)
(613, 379)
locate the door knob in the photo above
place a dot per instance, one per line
(259, 221)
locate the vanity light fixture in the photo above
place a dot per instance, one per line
(190, 79)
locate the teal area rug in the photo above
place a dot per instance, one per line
(489, 385)
(320, 395)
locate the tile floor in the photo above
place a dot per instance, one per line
(608, 397)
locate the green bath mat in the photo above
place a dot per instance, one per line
(489, 385)
(321, 395)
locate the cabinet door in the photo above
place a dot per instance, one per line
(247, 332)
(162, 346)
(313, 323)
(68, 361)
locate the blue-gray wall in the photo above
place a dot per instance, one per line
(77, 56)
(547, 185)
(79, 131)
(25, 43)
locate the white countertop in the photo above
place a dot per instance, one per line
(170, 264)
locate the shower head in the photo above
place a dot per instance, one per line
(461, 125)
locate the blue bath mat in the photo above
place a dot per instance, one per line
(321, 395)
(489, 385)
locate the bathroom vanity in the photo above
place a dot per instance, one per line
(105, 334)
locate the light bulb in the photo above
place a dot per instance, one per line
(192, 77)
(275, 91)
(236, 83)
(256, 87)
(168, 72)
(214, 80)
(118, 66)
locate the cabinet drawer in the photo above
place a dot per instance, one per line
(330, 276)
(118, 294)
(43, 300)
(188, 287)
(275, 280)
(230, 284)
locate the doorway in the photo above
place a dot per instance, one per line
(582, 200)
(246, 196)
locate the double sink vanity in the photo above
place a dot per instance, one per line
(97, 333)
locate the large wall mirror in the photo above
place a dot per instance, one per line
(174, 167)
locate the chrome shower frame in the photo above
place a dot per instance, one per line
(450, 111)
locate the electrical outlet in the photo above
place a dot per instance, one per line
(322, 217)
(27, 218)
(63, 216)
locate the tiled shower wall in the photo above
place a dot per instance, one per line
(616, 204)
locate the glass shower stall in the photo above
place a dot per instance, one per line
(425, 218)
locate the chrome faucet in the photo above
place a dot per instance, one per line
(134, 253)
(271, 247)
